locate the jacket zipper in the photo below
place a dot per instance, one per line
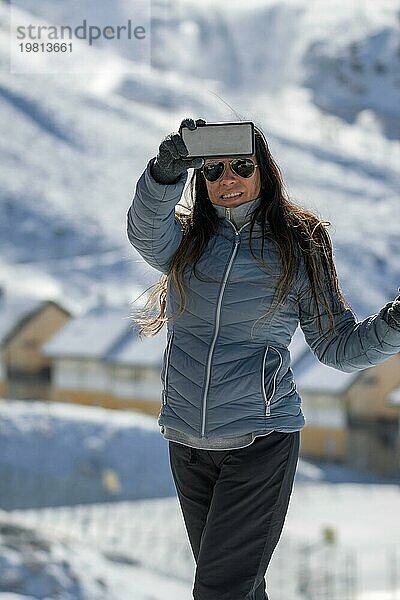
(268, 400)
(217, 321)
(165, 388)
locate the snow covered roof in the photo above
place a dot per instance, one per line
(131, 350)
(91, 335)
(14, 309)
(313, 376)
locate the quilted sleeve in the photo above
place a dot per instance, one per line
(356, 344)
(152, 227)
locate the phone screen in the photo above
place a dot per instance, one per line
(219, 139)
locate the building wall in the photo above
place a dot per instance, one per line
(373, 423)
(94, 376)
(369, 450)
(324, 435)
(368, 396)
(323, 410)
(23, 351)
(105, 400)
(80, 374)
(27, 371)
(27, 390)
(140, 382)
(323, 443)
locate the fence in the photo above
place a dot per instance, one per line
(151, 533)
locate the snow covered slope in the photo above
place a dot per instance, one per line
(73, 147)
(66, 454)
(38, 565)
(115, 549)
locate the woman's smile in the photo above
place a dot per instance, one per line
(226, 191)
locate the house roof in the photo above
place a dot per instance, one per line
(313, 376)
(105, 333)
(15, 310)
(91, 335)
(12, 310)
(131, 350)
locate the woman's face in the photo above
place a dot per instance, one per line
(230, 189)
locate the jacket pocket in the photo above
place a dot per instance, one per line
(164, 395)
(268, 380)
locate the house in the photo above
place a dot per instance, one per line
(25, 324)
(322, 390)
(135, 366)
(373, 420)
(98, 359)
(394, 400)
(348, 417)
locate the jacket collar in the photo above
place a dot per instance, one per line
(228, 226)
(238, 215)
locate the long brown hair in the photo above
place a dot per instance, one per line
(298, 233)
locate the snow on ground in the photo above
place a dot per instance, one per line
(158, 548)
(43, 567)
(363, 517)
(76, 451)
(151, 532)
(124, 453)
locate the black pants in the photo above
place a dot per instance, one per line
(234, 504)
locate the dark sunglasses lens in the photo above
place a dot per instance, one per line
(244, 167)
(212, 171)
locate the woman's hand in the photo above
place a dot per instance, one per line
(171, 161)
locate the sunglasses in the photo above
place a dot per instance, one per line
(244, 167)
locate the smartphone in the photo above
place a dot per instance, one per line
(219, 139)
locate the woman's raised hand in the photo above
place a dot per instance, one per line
(171, 161)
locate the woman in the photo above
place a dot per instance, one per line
(240, 271)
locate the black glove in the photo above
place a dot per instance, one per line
(170, 162)
(393, 313)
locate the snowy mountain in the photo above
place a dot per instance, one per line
(320, 78)
(351, 77)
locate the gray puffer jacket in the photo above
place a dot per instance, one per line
(226, 373)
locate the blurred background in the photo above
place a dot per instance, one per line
(88, 509)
